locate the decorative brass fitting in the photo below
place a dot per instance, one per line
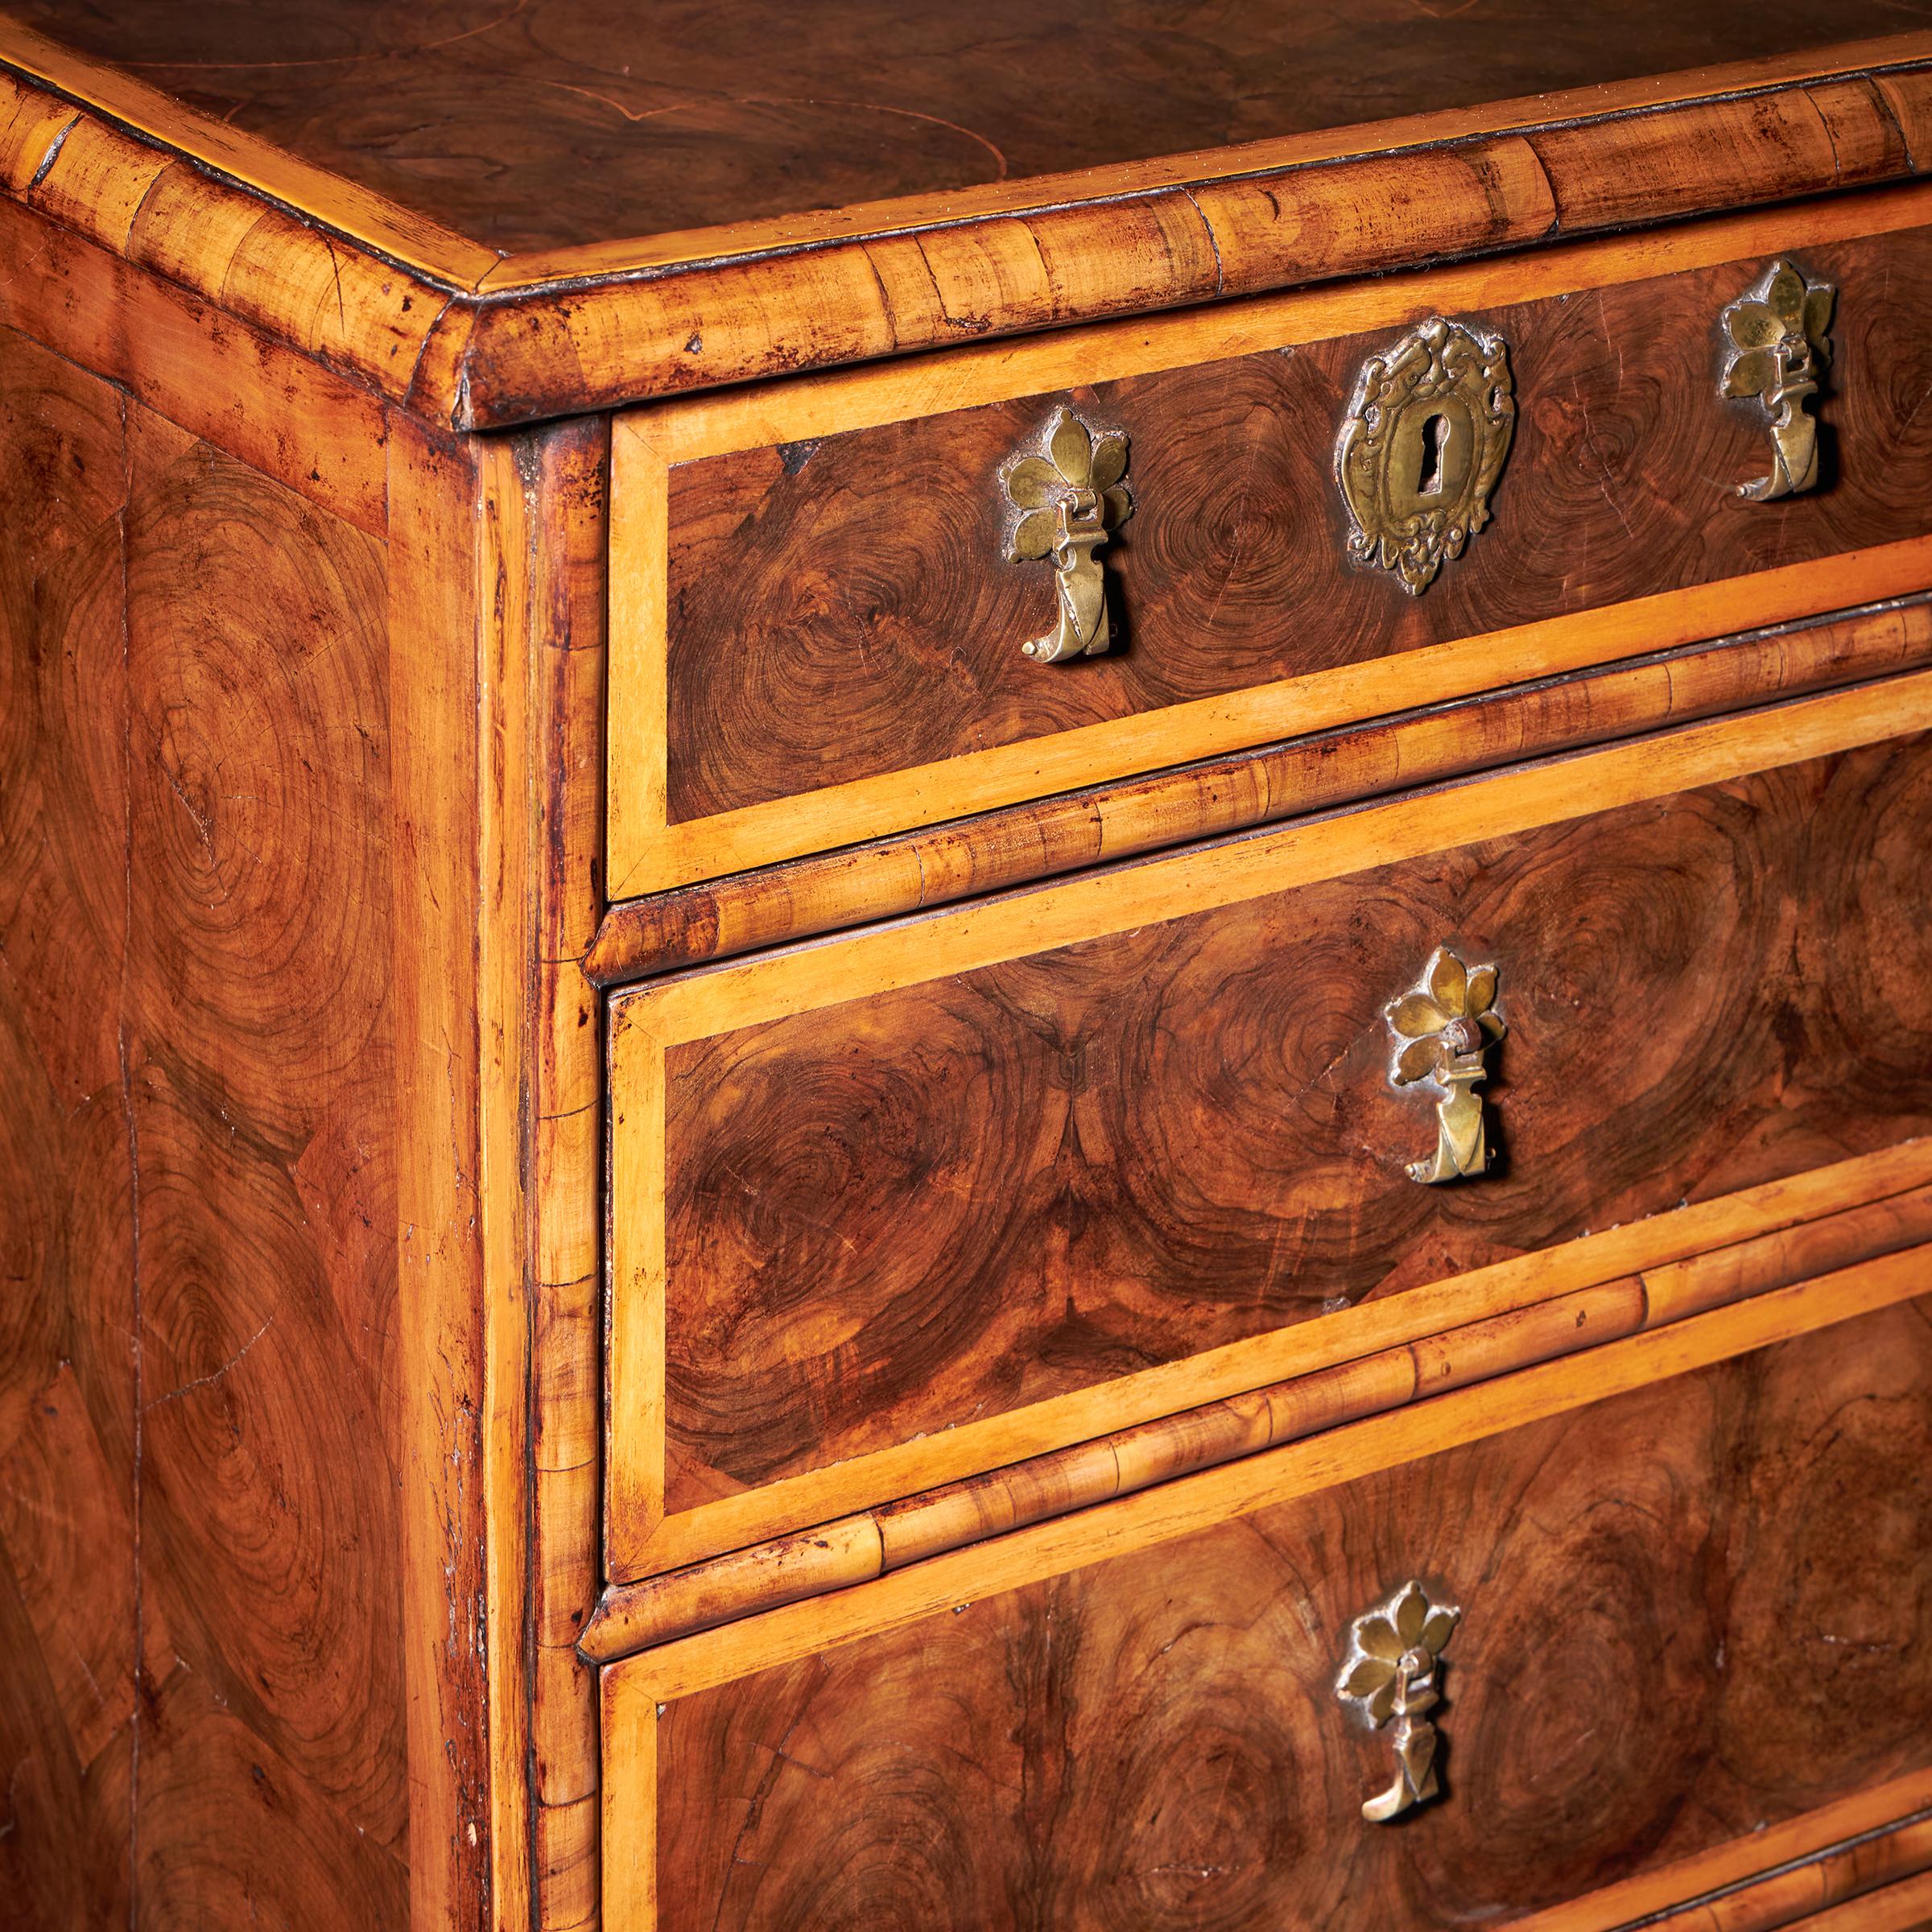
(1422, 446)
(1447, 1024)
(1392, 1670)
(1778, 351)
(1071, 500)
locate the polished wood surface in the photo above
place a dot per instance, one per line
(794, 984)
(1834, 1854)
(917, 870)
(483, 342)
(654, 446)
(855, 1550)
(302, 1422)
(201, 1439)
(538, 125)
(1171, 1710)
(844, 607)
(991, 1187)
(1874, 1871)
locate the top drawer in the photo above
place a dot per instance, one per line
(817, 632)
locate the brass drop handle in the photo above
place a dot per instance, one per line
(1444, 1026)
(1071, 500)
(1393, 1670)
(1777, 351)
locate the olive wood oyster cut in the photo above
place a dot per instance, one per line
(1422, 446)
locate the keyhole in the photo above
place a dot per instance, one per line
(1435, 434)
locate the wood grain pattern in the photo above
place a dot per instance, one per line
(556, 642)
(199, 1556)
(845, 609)
(1847, 1873)
(1118, 900)
(919, 869)
(283, 413)
(648, 852)
(481, 342)
(1902, 1908)
(1152, 1740)
(918, 287)
(632, 1617)
(614, 113)
(991, 1187)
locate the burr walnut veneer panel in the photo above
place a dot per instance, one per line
(818, 634)
(1690, 1612)
(550, 122)
(1015, 1169)
(201, 1532)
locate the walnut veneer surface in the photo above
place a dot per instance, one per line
(634, 120)
(687, 1246)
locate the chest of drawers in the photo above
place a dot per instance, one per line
(1033, 1038)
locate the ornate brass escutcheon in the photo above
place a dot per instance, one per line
(1422, 446)
(1071, 499)
(1446, 1024)
(1392, 1669)
(1777, 349)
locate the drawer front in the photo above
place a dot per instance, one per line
(818, 628)
(946, 1175)
(1688, 1612)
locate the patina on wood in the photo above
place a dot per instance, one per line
(1649, 1664)
(901, 1209)
(200, 1555)
(483, 341)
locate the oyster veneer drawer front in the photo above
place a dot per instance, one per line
(1644, 1630)
(820, 633)
(895, 1208)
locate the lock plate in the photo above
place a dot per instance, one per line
(1422, 446)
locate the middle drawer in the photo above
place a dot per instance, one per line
(892, 1208)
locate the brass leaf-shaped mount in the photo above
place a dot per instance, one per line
(1392, 1669)
(1070, 500)
(1444, 1026)
(1422, 446)
(1777, 349)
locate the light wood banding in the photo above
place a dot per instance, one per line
(1648, 1492)
(916, 870)
(633, 1617)
(906, 989)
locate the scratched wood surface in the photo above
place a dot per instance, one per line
(200, 1572)
(844, 607)
(1688, 1612)
(687, 118)
(920, 1206)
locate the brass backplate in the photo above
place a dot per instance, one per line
(1422, 446)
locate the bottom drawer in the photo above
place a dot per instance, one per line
(1688, 1611)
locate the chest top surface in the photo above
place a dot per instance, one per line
(528, 209)
(533, 125)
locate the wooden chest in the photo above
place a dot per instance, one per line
(966, 970)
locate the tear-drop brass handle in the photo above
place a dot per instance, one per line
(1444, 1026)
(1777, 351)
(1393, 1670)
(1071, 500)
